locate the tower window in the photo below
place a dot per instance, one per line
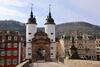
(29, 33)
(51, 39)
(51, 53)
(29, 40)
(51, 47)
(51, 33)
(29, 54)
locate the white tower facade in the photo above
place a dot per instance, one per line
(31, 29)
(50, 30)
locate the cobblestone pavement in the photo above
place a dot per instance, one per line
(68, 63)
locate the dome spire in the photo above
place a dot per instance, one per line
(49, 19)
(32, 19)
(31, 15)
(49, 10)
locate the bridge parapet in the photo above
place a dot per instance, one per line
(24, 64)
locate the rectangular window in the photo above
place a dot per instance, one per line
(9, 45)
(2, 61)
(15, 45)
(15, 61)
(2, 45)
(9, 53)
(14, 53)
(2, 52)
(8, 61)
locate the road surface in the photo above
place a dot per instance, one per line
(68, 63)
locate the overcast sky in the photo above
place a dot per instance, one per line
(62, 10)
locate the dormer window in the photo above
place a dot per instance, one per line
(15, 38)
(9, 37)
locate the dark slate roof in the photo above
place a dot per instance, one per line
(49, 19)
(31, 20)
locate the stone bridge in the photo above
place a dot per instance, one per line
(67, 63)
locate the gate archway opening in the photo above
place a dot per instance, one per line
(40, 54)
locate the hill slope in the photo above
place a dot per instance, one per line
(12, 25)
(83, 27)
(60, 28)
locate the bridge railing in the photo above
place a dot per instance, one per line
(24, 64)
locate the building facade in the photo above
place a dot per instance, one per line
(84, 43)
(98, 48)
(11, 46)
(41, 47)
(31, 31)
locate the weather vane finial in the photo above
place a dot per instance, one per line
(49, 7)
(32, 6)
(31, 10)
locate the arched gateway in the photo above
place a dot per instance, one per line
(40, 47)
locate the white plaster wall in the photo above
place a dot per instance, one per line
(50, 28)
(53, 50)
(28, 50)
(30, 28)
